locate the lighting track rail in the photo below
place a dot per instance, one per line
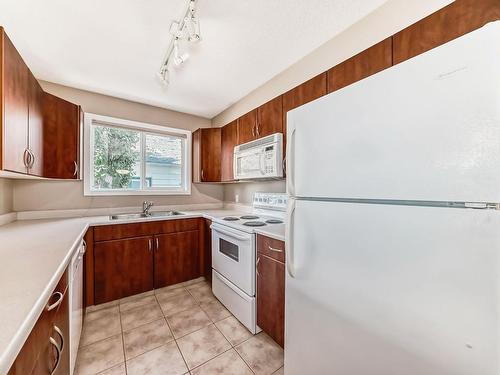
(187, 28)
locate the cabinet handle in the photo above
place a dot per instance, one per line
(150, 244)
(257, 267)
(25, 158)
(57, 303)
(202, 175)
(157, 243)
(61, 336)
(76, 168)
(257, 129)
(274, 249)
(32, 159)
(58, 351)
(253, 131)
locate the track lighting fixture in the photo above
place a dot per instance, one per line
(187, 28)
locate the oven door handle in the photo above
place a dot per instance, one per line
(228, 233)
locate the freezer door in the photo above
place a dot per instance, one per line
(425, 129)
(392, 290)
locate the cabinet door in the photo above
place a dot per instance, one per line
(210, 155)
(177, 258)
(454, 20)
(61, 334)
(364, 64)
(35, 128)
(229, 139)
(122, 268)
(270, 117)
(271, 297)
(61, 137)
(246, 127)
(15, 106)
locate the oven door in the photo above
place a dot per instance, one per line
(233, 256)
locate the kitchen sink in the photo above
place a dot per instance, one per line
(142, 215)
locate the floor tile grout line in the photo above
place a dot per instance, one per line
(123, 340)
(208, 360)
(175, 340)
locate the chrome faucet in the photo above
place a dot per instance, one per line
(146, 206)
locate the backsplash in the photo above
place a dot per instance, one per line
(242, 192)
(6, 196)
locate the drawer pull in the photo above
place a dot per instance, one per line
(58, 351)
(274, 249)
(57, 303)
(257, 267)
(61, 336)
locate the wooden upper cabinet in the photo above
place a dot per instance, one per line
(207, 155)
(176, 258)
(448, 23)
(62, 124)
(35, 129)
(229, 139)
(304, 93)
(364, 64)
(14, 86)
(270, 117)
(247, 125)
(262, 121)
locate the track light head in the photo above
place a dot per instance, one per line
(179, 58)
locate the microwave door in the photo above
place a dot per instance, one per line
(249, 164)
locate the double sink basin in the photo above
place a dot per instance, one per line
(141, 215)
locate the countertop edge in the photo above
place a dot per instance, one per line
(14, 347)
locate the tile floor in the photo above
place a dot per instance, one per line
(177, 330)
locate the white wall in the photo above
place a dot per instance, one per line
(387, 20)
(46, 195)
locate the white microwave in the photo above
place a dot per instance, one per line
(262, 158)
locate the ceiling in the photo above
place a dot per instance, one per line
(115, 47)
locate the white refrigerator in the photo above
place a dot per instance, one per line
(393, 235)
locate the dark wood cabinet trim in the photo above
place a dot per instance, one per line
(456, 19)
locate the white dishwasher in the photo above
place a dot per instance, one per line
(76, 302)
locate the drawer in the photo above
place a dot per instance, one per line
(240, 304)
(121, 231)
(270, 247)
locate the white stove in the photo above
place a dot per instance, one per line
(234, 254)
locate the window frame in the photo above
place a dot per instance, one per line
(144, 128)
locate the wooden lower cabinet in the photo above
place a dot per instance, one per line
(176, 258)
(122, 268)
(39, 355)
(270, 292)
(271, 297)
(207, 249)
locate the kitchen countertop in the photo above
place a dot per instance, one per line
(276, 231)
(33, 257)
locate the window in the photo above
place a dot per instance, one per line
(130, 158)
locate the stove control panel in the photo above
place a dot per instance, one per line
(270, 201)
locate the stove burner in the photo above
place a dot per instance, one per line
(249, 217)
(231, 218)
(274, 221)
(254, 224)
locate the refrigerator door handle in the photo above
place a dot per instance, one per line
(290, 162)
(289, 237)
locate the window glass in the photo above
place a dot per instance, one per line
(163, 161)
(117, 158)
